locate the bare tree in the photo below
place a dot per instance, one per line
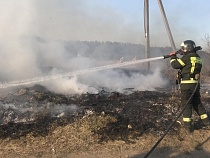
(206, 40)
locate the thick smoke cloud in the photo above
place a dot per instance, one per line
(24, 55)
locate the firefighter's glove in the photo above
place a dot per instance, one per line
(181, 52)
(173, 55)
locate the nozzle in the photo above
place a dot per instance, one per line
(166, 56)
(177, 52)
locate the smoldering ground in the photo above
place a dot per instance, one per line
(24, 55)
(56, 117)
(34, 46)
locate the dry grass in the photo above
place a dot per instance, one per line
(60, 140)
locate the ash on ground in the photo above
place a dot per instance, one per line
(131, 113)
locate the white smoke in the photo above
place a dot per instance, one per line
(118, 80)
(23, 56)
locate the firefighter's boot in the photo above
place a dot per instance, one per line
(185, 131)
(206, 123)
(189, 127)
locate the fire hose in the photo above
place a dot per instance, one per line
(180, 51)
(177, 117)
(177, 52)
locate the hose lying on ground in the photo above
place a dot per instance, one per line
(161, 138)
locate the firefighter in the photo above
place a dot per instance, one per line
(190, 65)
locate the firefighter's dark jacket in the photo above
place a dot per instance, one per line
(190, 65)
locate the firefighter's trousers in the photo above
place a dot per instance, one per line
(187, 90)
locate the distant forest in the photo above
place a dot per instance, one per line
(103, 51)
(113, 50)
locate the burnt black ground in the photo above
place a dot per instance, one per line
(36, 118)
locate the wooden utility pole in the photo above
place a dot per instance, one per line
(167, 25)
(146, 29)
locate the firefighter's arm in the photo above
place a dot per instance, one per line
(176, 62)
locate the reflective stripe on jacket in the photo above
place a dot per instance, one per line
(190, 64)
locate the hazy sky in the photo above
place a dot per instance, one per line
(187, 19)
(105, 20)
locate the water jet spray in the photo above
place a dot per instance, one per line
(70, 74)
